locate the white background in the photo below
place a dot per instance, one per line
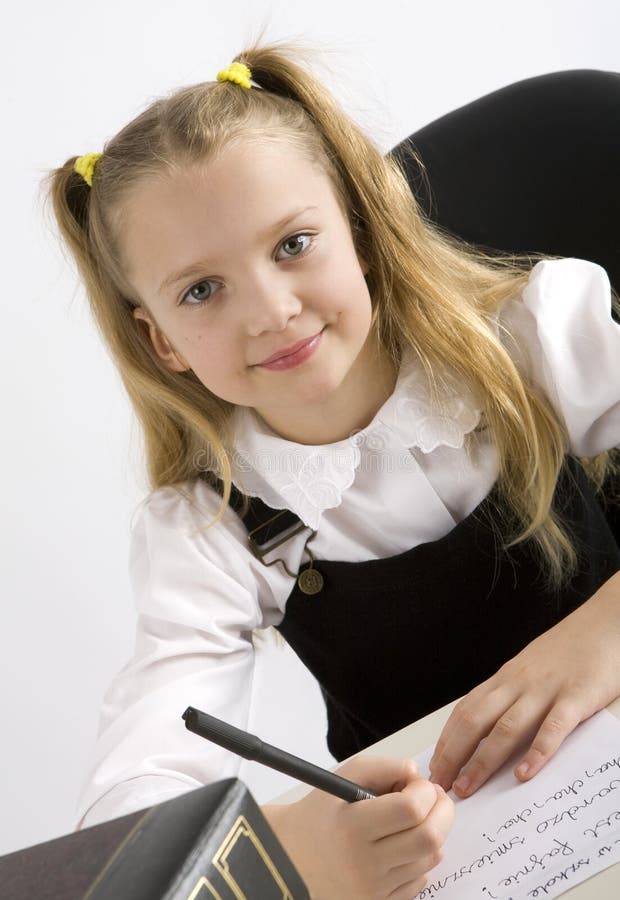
(72, 74)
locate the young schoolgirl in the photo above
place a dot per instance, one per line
(359, 431)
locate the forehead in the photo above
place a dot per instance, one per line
(196, 211)
(247, 176)
(246, 165)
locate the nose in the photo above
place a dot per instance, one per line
(271, 304)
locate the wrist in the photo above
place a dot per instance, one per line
(282, 820)
(607, 597)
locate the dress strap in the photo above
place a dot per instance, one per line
(268, 529)
(264, 524)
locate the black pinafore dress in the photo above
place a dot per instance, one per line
(390, 640)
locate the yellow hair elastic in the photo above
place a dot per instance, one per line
(238, 73)
(85, 166)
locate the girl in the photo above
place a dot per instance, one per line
(358, 431)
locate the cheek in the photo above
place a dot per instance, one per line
(356, 302)
(217, 362)
(343, 288)
(202, 351)
(200, 339)
(210, 355)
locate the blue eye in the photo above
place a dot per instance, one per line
(201, 295)
(293, 244)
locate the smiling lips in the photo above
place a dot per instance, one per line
(294, 355)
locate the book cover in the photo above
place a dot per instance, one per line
(212, 843)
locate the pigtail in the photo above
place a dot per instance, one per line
(70, 196)
(181, 441)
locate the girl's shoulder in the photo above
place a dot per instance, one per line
(176, 528)
(561, 334)
(560, 298)
(180, 504)
(180, 544)
(568, 284)
(189, 509)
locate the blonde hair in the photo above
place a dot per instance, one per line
(428, 290)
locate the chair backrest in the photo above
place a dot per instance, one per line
(532, 167)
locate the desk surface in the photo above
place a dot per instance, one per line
(414, 738)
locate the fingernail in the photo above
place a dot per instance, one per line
(462, 784)
(523, 769)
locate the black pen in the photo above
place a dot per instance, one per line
(251, 747)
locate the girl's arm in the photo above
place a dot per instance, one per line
(193, 646)
(562, 335)
(561, 678)
(196, 596)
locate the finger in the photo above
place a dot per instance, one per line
(470, 716)
(409, 890)
(561, 719)
(419, 850)
(509, 731)
(392, 813)
(422, 845)
(471, 720)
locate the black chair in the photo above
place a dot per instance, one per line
(532, 167)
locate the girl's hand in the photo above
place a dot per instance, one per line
(557, 681)
(381, 848)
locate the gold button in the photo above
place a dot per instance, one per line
(310, 581)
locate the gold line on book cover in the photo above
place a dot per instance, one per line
(196, 894)
(224, 861)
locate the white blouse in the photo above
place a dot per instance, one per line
(404, 479)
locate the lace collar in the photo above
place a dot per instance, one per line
(308, 479)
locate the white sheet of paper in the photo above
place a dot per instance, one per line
(513, 841)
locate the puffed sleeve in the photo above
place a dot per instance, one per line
(561, 332)
(197, 605)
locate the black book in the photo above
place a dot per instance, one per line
(212, 843)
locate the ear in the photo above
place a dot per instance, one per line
(160, 342)
(363, 264)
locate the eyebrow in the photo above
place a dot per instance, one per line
(197, 268)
